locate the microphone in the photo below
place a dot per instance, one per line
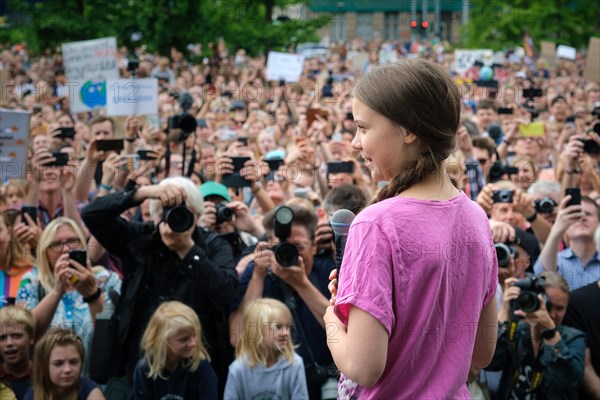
(340, 223)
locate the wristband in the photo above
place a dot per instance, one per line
(93, 297)
(549, 333)
(533, 217)
(105, 187)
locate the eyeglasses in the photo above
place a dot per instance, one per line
(72, 244)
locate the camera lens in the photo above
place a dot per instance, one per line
(503, 254)
(224, 213)
(545, 205)
(187, 123)
(286, 254)
(528, 302)
(179, 218)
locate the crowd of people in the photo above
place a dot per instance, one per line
(159, 268)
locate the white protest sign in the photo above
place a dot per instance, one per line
(14, 141)
(464, 59)
(567, 52)
(132, 97)
(284, 66)
(358, 60)
(88, 65)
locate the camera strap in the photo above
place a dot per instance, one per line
(290, 301)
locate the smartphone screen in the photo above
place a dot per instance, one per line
(110, 145)
(534, 129)
(575, 194)
(31, 211)
(78, 255)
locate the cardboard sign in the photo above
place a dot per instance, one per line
(132, 96)
(465, 59)
(592, 63)
(14, 141)
(88, 65)
(567, 52)
(549, 52)
(358, 60)
(284, 66)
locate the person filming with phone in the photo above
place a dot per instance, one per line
(579, 264)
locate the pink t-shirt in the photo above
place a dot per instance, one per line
(424, 269)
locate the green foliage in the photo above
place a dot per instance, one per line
(162, 23)
(501, 24)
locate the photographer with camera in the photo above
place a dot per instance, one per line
(539, 357)
(286, 269)
(169, 258)
(230, 219)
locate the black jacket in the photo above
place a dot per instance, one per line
(205, 279)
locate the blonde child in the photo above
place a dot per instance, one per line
(17, 329)
(175, 363)
(266, 365)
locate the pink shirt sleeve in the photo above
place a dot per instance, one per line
(366, 275)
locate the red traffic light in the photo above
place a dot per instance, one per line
(413, 24)
(425, 24)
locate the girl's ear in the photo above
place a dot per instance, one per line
(409, 137)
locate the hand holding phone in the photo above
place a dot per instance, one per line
(28, 210)
(575, 194)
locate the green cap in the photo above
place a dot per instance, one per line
(212, 188)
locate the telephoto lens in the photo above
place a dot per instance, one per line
(179, 218)
(531, 287)
(503, 253)
(286, 254)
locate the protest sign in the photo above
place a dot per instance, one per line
(567, 52)
(14, 141)
(88, 65)
(464, 59)
(132, 96)
(592, 64)
(358, 60)
(284, 66)
(549, 53)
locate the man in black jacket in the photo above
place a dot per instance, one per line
(159, 264)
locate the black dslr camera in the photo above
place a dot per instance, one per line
(545, 205)
(184, 121)
(224, 213)
(179, 218)
(528, 298)
(504, 251)
(286, 253)
(498, 170)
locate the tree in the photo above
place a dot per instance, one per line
(499, 25)
(163, 23)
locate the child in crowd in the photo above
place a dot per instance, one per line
(266, 365)
(16, 341)
(176, 362)
(57, 365)
(14, 193)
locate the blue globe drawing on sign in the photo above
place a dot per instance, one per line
(486, 73)
(93, 94)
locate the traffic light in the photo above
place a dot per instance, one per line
(413, 24)
(424, 24)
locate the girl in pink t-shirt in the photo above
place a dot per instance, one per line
(415, 306)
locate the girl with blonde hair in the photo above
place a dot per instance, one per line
(266, 364)
(57, 367)
(175, 362)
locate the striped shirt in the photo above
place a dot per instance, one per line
(569, 266)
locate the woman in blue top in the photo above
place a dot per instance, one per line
(61, 292)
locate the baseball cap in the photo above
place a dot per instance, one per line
(212, 188)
